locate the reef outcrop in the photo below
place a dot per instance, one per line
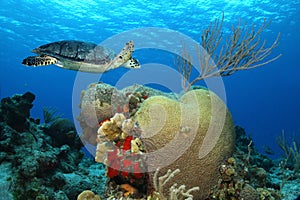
(193, 133)
(40, 160)
(100, 101)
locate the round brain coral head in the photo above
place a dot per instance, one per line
(199, 115)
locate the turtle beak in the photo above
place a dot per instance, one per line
(36, 50)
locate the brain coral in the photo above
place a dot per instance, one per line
(194, 134)
(249, 193)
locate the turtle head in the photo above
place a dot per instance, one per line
(124, 58)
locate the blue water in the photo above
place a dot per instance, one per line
(264, 100)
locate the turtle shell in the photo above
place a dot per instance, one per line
(77, 51)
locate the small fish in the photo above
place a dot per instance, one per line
(128, 189)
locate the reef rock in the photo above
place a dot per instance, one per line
(100, 101)
(42, 161)
(14, 111)
(194, 134)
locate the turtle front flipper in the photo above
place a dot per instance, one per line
(39, 61)
(124, 58)
(132, 63)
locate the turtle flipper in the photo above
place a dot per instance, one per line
(127, 51)
(132, 63)
(39, 61)
(124, 58)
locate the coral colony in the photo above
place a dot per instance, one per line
(45, 161)
(35, 155)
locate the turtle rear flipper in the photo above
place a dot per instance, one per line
(39, 61)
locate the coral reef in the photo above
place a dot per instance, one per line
(120, 148)
(253, 166)
(249, 193)
(62, 131)
(95, 107)
(50, 114)
(231, 185)
(290, 156)
(45, 161)
(100, 101)
(245, 175)
(16, 110)
(153, 121)
(41, 159)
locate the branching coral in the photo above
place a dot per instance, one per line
(291, 157)
(243, 50)
(175, 192)
(291, 151)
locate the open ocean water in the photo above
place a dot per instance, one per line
(263, 100)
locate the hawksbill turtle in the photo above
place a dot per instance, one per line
(82, 56)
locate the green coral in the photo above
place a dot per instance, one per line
(181, 129)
